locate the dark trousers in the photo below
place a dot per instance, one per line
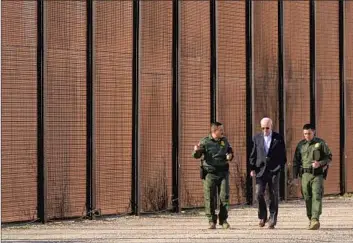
(273, 186)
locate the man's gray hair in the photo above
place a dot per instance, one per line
(266, 120)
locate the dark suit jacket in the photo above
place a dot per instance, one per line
(273, 161)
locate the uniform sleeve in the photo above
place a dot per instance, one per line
(253, 155)
(297, 161)
(197, 154)
(327, 155)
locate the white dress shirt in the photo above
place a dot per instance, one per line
(267, 142)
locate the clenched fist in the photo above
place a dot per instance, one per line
(197, 147)
(316, 164)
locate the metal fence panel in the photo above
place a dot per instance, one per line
(113, 105)
(195, 110)
(18, 111)
(231, 92)
(328, 86)
(265, 62)
(348, 50)
(296, 78)
(65, 108)
(156, 105)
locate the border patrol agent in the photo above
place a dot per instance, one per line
(215, 151)
(311, 160)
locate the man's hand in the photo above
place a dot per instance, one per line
(198, 151)
(229, 156)
(315, 164)
(252, 173)
(197, 147)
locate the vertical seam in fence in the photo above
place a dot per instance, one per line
(213, 61)
(342, 99)
(42, 180)
(135, 112)
(89, 116)
(175, 108)
(312, 64)
(249, 122)
(281, 115)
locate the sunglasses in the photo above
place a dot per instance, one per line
(265, 128)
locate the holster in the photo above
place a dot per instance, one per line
(325, 173)
(203, 172)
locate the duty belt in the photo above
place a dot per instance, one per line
(307, 170)
(317, 171)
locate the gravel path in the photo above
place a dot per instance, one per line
(191, 227)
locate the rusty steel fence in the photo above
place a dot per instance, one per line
(103, 101)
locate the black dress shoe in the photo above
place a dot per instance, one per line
(262, 222)
(271, 224)
(212, 225)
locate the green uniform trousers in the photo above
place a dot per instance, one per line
(313, 190)
(213, 182)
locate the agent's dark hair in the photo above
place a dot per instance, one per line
(215, 125)
(308, 126)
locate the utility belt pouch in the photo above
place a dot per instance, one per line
(203, 172)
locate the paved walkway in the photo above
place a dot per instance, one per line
(336, 226)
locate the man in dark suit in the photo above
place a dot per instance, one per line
(267, 158)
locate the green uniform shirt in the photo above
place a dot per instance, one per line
(214, 153)
(303, 157)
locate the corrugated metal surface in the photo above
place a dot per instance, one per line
(231, 105)
(328, 86)
(265, 62)
(296, 77)
(65, 107)
(113, 105)
(349, 92)
(18, 111)
(156, 105)
(195, 113)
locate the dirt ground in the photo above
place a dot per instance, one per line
(191, 227)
